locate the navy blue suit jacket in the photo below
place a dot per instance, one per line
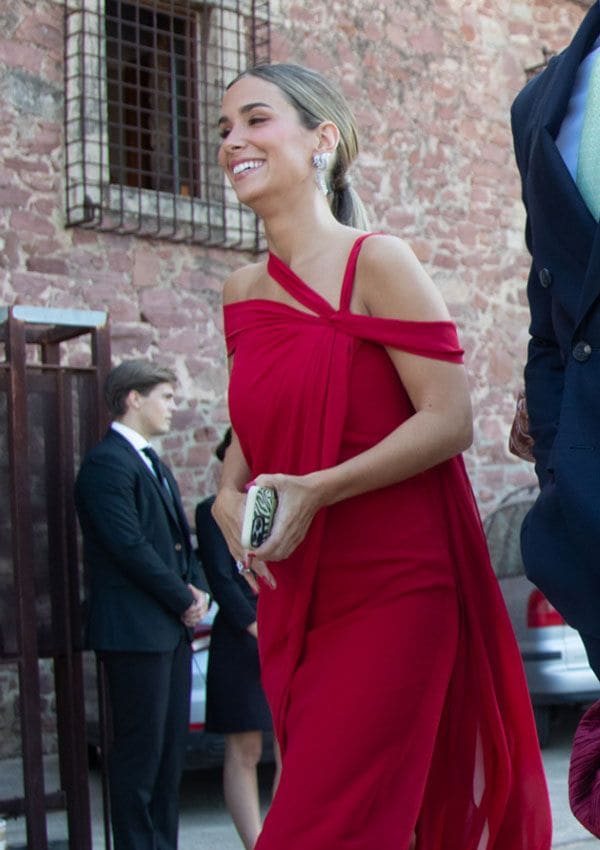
(561, 534)
(137, 551)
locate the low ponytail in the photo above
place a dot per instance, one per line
(345, 202)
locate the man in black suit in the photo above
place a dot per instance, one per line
(561, 534)
(146, 594)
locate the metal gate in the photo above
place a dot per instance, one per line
(52, 368)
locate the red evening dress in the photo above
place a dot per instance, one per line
(395, 683)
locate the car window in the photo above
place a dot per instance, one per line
(503, 532)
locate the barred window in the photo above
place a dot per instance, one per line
(144, 80)
(151, 90)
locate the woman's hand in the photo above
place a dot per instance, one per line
(299, 498)
(228, 511)
(253, 570)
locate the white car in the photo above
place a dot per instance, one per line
(204, 749)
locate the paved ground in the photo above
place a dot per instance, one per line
(205, 824)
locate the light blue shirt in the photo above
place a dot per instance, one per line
(571, 128)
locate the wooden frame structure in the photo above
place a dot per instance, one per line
(53, 412)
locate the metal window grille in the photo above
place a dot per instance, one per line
(143, 85)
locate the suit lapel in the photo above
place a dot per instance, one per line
(565, 211)
(179, 511)
(576, 228)
(550, 177)
(170, 504)
(565, 67)
(586, 36)
(591, 285)
(167, 502)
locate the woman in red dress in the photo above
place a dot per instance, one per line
(393, 676)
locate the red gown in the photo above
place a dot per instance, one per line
(392, 672)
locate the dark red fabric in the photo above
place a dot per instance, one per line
(584, 771)
(393, 675)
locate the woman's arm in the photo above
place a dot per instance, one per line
(391, 284)
(228, 507)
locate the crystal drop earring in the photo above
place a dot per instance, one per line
(320, 162)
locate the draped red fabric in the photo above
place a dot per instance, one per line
(584, 776)
(388, 659)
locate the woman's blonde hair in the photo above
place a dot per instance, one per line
(315, 101)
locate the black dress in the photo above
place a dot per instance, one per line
(235, 701)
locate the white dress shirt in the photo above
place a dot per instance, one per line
(137, 441)
(571, 128)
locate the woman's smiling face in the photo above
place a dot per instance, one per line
(264, 146)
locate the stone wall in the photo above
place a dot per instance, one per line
(431, 84)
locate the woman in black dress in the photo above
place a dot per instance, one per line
(235, 703)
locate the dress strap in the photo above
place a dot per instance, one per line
(348, 282)
(297, 288)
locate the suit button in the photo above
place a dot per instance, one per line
(178, 547)
(582, 351)
(545, 278)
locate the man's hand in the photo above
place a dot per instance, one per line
(192, 615)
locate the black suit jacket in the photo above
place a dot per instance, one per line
(137, 551)
(561, 534)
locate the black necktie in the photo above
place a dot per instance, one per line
(158, 471)
(155, 461)
(160, 477)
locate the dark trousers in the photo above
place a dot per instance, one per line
(149, 695)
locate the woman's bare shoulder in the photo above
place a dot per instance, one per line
(392, 282)
(383, 250)
(239, 284)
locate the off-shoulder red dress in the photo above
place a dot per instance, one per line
(392, 672)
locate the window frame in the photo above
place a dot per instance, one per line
(239, 36)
